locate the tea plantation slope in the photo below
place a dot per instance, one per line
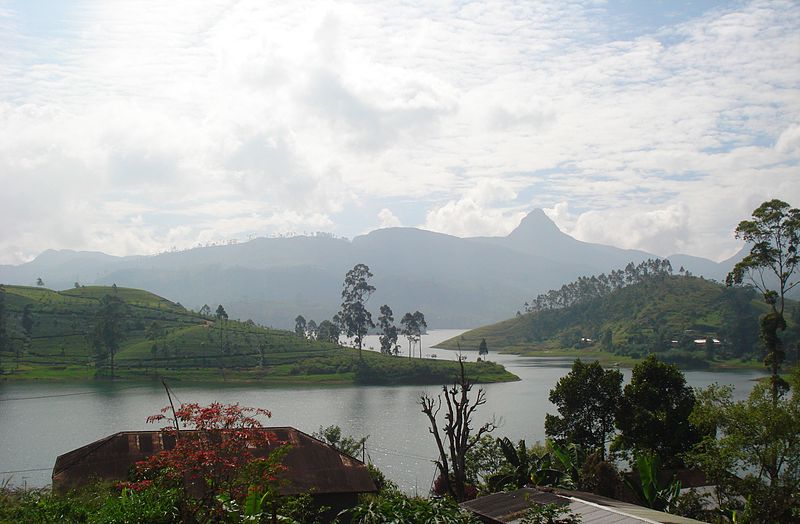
(163, 339)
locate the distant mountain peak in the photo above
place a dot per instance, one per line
(536, 224)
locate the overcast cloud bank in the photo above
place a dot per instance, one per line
(133, 127)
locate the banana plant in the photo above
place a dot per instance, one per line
(553, 468)
(648, 490)
(570, 460)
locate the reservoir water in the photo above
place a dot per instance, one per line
(39, 421)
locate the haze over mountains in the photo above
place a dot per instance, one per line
(456, 282)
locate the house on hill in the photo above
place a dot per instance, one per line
(331, 477)
(510, 508)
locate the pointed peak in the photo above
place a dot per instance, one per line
(536, 223)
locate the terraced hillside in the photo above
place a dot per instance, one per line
(54, 334)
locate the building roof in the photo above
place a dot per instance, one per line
(312, 466)
(509, 508)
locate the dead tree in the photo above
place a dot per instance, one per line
(457, 428)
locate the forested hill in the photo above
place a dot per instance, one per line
(685, 319)
(46, 334)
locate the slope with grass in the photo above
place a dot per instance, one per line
(686, 320)
(163, 339)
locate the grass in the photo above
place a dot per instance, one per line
(163, 339)
(627, 324)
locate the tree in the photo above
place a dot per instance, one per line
(217, 458)
(587, 401)
(346, 444)
(751, 453)
(388, 337)
(413, 325)
(27, 320)
(771, 268)
(354, 316)
(109, 328)
(40, 282)
(483, 349)
(328, 331)
(422, 327)
(300, 326)
(221, 314)
(155, 332)
(457, 430)
(653, 413)
(408, 330)
(311, 330)
(205, 310)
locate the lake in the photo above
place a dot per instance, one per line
(39, 421)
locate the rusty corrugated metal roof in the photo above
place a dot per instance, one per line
(312, 465)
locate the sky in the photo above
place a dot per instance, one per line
(136, 127)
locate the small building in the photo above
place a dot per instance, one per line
(331, 477)
(510, 507)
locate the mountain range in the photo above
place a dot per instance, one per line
(455, 282)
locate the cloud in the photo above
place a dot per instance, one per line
(789, 140)
(137, 127)
(658, 231)
(482, 211)
(388, 219)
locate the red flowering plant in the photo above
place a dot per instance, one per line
(220, 449)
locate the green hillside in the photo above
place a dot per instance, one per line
(668, 314)
(163, 339)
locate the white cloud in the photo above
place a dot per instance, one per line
(789, 140)
(482, 211)
(660, 231)
(387, 219)
(138, 127)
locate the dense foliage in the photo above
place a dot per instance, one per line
(587, 399)
(586, 289)
(396, 507)
(653, 413)
(671, 315)
(752, 451)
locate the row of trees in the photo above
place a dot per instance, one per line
(354, 320)
(585, 289)
(327, 330)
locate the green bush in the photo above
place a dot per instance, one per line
(148, 506)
